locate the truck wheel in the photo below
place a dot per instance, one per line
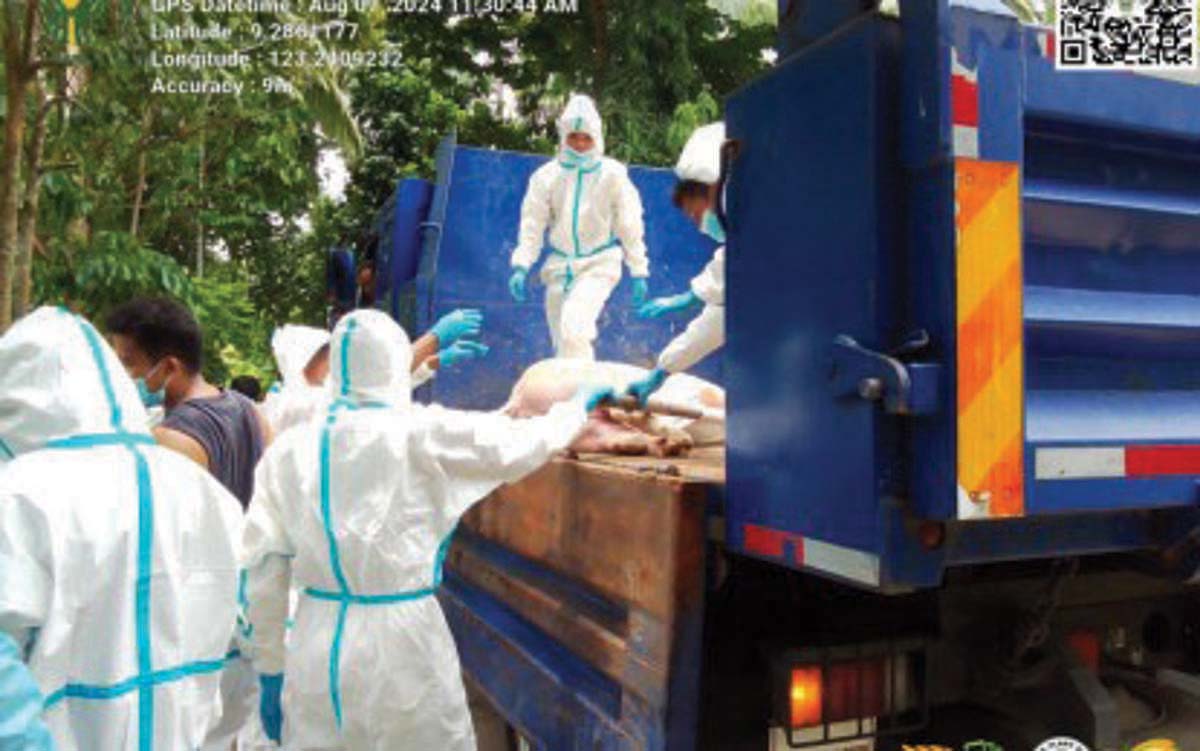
(954, 726)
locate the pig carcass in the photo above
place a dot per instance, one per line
(616, 431)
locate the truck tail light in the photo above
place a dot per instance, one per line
(805, 697)
(844, 693)
(838, 691)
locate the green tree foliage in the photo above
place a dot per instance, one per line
(658, 69)
(140, 186)
(138, 191)
(115, 268)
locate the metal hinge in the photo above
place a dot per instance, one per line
(903, 388)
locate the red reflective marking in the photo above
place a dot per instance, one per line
(1152, 461)
(771, 542)
(964, 99)
(763, 540)
(1051, 45)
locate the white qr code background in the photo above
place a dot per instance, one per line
(1138, 35)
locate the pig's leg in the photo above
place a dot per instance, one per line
(602, 436)
(664, 440)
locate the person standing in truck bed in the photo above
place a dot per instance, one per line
(696, 194)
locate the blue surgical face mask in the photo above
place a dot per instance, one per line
(150, 399)
(711, 226)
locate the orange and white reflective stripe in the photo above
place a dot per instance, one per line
(991, 433)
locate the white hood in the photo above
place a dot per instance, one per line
(370, 358)
(581, 116)
(59, 378)
(701, 156)
(293, 347)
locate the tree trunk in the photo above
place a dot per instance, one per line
(29, 211)
(140, 190)
(200, 209)
(18, 49)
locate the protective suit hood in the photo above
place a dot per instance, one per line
(370, 357)
(581, 116)
(59, 378)
(293, 347)
(701, 156)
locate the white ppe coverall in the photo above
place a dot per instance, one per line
(118, 571)
(288, 403)
(706, 332)
(295, 400)
(357, 510)
(304, 403)
(593, 214)
(700, 161)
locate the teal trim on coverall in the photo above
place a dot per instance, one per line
(147, 678)
(344, 596)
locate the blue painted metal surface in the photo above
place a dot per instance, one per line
(548, 693)
(860, 224)
(400, 225)
(471, 231)
(813, 240)
(586, 633)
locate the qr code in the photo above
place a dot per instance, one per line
(1119, 34)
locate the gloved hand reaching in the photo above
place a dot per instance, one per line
(593, 396)
(517, 283)
(661, 305)
(461, 351)
(457, 324)
(270, 705)
(643, 388)
(641, 289)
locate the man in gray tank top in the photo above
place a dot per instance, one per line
(161, 346)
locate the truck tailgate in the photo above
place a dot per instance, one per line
(580, 591)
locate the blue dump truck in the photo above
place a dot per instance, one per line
(958, 502)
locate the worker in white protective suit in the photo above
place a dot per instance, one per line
(592, 213)
(302, 355)
(357, 509)
(118, 571)
(699, 172)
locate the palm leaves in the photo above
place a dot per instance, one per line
(321, 93)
